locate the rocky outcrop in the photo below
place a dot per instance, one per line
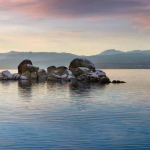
(25, 62)
(80, 62)
(79, 69)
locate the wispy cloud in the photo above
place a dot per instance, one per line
(136, 10)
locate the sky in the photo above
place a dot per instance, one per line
(83, 27)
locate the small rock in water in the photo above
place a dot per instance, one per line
(118, 81)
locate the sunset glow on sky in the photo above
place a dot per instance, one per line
(84, 27)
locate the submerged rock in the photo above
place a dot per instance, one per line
(24, 62)
(81, 62)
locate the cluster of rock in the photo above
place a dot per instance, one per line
(60, 73)
(84, 70)
(79, 69)
(6, 75)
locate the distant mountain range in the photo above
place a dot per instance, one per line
(114, 52)
(108, 59)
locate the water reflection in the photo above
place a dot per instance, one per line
(72, 116)
(25, 88)
(83, 87)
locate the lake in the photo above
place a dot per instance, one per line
(68, 116)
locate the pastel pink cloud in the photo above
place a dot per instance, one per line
(136, 10)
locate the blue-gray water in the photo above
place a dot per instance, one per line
(54, 116)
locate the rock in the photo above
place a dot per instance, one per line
(15, 76)
(52, 79)
(51, 69)
(23, 63)
(44, 77)
(7, 75)
(118, 81)
(97, 73)
(36, 69)
(28, 67)
(1, 76)
(104, 80)
(81, 62)
(61, 70)
(24, 78)
(93, 76)
(61, 73)
(34, 75)
(51, 76)
(41, 72)
(81, 70)
(26, 74)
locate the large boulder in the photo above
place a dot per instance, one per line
(25, 62)
(81, 62)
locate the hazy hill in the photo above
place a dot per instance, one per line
(111, 52)
(107, 59)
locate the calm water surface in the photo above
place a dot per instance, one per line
(54, 116)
